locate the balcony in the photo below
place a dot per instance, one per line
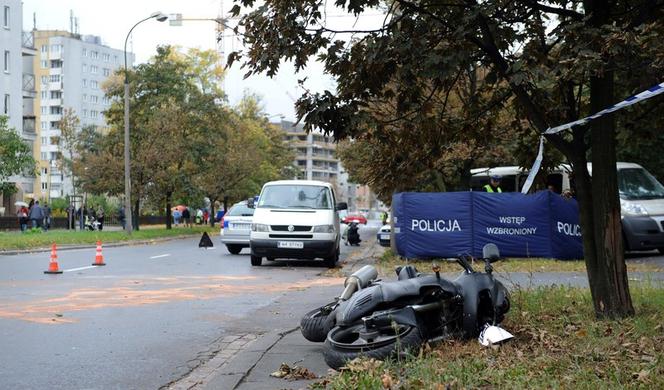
(55, 85)
(29, 126)
(29, 90)
(28, 44)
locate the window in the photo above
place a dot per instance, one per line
(93, 69)
(94, 99)
(44, 110)
(85, 68)
(56, 64)
(107, 72)
(56, 94)
(85, 97)
(44, 156)
(85, 52)
(6, 68)
(44, 185)
(93, 84)
(5, 19)
(93, 113)
(106, 57)
(44, 125)
(105, 100)
(44, 64)
(44, 48)
(85, 113)
(44, 170)
(85, 83)
(44, 79)
(54, 125)
(115, 58)
(55, 78)
(56, 110)
(94, 55)
(44, 141)
(6, 109)
(55, 48)
(44, 95)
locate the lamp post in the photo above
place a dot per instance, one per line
(128, 217)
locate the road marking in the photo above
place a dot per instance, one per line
(79, 268)
(158, 256)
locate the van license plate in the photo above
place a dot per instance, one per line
(290, 244)
(384, 236)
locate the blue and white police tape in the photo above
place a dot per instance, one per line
(647, 94)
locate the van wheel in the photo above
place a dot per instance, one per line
(331, 262)
(256, 260)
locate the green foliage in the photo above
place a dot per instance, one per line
(15, 157)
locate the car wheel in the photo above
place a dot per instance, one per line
(234, 249)
(331, 262)
(256, 260)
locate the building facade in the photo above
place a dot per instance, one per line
(69, 71)
(17, 90)
(315, 153)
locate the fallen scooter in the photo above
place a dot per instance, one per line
(377, 319)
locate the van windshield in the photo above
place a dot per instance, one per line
(637, 183)
(295, 196)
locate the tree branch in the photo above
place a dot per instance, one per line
(554, 10)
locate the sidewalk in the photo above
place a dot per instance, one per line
(246, 362)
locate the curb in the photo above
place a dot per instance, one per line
(89, 246)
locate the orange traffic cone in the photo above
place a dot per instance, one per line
(99, 258)
(53, 265)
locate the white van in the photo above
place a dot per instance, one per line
(296, 219)
(641, 198)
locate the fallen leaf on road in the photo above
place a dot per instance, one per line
(293, 373)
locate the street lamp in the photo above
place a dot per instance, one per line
(128, 217)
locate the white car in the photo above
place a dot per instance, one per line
(383, 235)
(236, 227)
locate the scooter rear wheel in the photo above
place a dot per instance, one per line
(344, 344)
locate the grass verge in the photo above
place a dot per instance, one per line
(558, 344)
(389, 261)
(17, 240)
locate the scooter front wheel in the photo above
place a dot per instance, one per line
(317, 323)
(344, 344)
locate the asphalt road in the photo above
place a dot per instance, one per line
(142, 321)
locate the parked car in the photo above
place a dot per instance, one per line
(296, 219)
(383, 235)
(236, 227)
(354, 217)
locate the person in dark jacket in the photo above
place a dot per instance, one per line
(36, 215)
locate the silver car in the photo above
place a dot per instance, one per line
(236, 227)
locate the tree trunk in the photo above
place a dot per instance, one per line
(607, 273)
(211, 211)
(225, 204)
(168, 210)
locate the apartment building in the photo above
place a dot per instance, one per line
(69, 69)
(17, 90)
(315, 153)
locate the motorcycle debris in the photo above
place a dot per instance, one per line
(492, 334)
(293, 373)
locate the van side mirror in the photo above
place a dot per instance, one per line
(251, 203)
(341, 206)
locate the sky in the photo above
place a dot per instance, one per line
(111, 20)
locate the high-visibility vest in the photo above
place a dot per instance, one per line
(488, 188)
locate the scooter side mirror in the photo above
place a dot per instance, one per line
(490, 251)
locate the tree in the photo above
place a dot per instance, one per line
(15, 157)
(555, 60)
(68, 141)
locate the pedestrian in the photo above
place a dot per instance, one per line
(185, 217)
(22, 215)
(384, 218)
(121, 217)
(206, 216)
(100, 217)
(176, 216)
(199, 216)
(220, 215)
(47, 217)
(494, 184)
(36, 215)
